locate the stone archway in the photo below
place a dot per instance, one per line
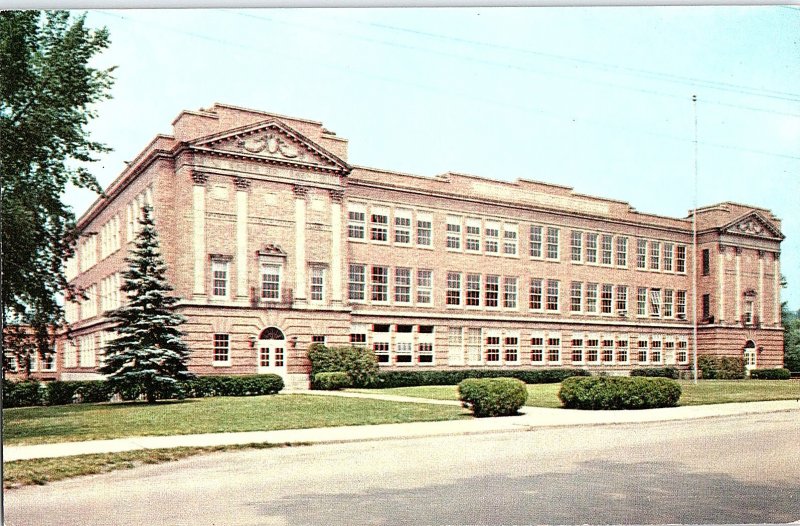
(271, 352)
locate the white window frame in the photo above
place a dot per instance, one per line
(491, 244)
(454, 233)
(356, 222)
(402, 285)
(453, 289)
(263, 266)
(510, 240)
(379, 225)
(223, 266)
(537, 244)
(424, 287)
(576, 246)
(553, 244)
(472, 243)
(402, 227)
(316, 284)
(353, 285)
(215, 339)
(424, 230)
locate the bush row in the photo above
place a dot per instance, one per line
(332, 381)
(31, 393)
(493, 396)
(360, 365)
(770, 374)
(386, 379)
(657, 372)
(620, 392)
(721, 367)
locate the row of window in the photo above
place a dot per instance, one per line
(110, 298)
(38, 362)
(86, 351)
(606, 298)
(110, 237)
(270, 274)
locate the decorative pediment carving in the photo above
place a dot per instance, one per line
(272, 141)
(752, 225)
(271, 249)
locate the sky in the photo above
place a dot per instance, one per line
(598, 99)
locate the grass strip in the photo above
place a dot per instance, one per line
(41, 471)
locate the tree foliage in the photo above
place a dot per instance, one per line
(148, 355)
(46, 96)
(791, 338)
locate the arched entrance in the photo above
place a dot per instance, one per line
(271, 352)
(750, 355)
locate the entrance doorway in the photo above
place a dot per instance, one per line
(749, 355)
(271, 352)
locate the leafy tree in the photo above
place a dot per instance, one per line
(46, 95)
(791, 338)
(148, 355)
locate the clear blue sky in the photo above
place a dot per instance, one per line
(594, 98)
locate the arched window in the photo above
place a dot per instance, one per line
(271, 333)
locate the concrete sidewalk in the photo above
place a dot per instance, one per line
(532, 418)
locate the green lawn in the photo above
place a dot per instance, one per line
(705, 392)
(37, 425)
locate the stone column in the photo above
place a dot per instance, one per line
(738, 297)
(300, 193)
(761, 286)
(199, 232)
(336, 245)
(242, 187)
(721, 280)
(776, 256)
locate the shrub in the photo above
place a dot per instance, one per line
(721, 367)
(249, 385)
(770, 374)
(332, 381)
(619, 392)
(657, 372)
(360, 365)
(22, 394)
(493, 396)
(387, 379)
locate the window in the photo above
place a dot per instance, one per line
(424, 287)
(606, 299)
(576, 246)
(577, 350)
(453, 294)
(356, 283)
(642, 348)
(576, 296)
(622, 251)
(682, 355)
(537, 349)
(402, 285)
(668, 295)
(641, 254)
(536, 294)
(669, 350)
(318, 339)
(706, 262)
(453, 232)
(473, 290)
(357, 339)
(591, 248)
(511, 349)
(748, 312)
(680, 304)
(593, 350)
(655, 350)
(89, 305)
(87, 351)
(356, 224)
(669, 248)
(607, 351)
(492, 296)
(622, 351)
(222, 349)
(641, 301)
(379, 226)
(317, 283)
(510, 293)
(622, 299)
(473, 243)
(270, 282)
(493, 349)
(605, 244)
(553, 350)
(492, 241)
(552, 294)
(402, 227)
(425, 353)
(473, 345)
(49, 361)
(536, 241)
(70, 355)
(381, 350)
(706, 306)
(380, 284)
(680, 259)
(655, 255)
(455, 344)
(591, 298)
(655, 303)
(552, 243)
(219, 272)
(510, 240)
(424, 230)
(404, 352)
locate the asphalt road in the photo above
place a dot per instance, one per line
(725, 470)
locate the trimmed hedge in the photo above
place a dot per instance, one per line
(721, 367)
(332, 381)
(657, 372)
(619, 392)
(493, 396)
(387, 379)
(22, 394)
(770, 374)
(359, 364)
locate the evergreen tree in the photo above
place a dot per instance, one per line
(148, 355)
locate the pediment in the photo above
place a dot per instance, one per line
(754, 225)
(272, 141)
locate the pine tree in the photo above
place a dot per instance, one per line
(148, 355)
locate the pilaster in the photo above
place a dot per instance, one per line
(738, 283)
(761, 286)
(242, 191)
(336, 246)
(199, 232)
(300, 193)
(721, 282)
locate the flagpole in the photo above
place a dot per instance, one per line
(694, 243)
